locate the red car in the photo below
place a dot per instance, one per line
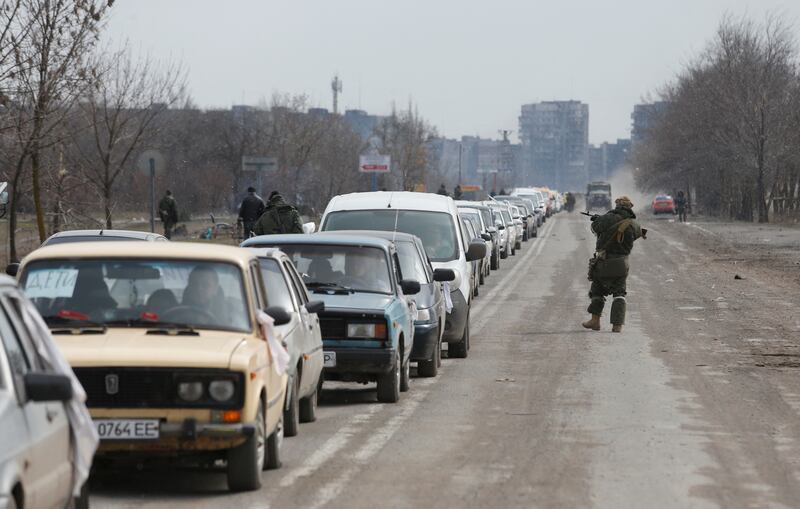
(663, 204)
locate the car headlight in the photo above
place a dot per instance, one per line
(366, 330)
(190, 391)
(424, 315)
(221, 390)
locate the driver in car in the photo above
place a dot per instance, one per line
(362, 272)
(204, 293)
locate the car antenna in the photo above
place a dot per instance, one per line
(389, 205)
(396, 217)
(101, 232)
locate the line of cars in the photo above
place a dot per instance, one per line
(209, 356)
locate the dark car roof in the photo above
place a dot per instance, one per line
(329, 238)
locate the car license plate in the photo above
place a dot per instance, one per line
(329, 359)
(127, 429)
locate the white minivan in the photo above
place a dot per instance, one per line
(434, 219)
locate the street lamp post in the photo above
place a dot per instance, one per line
(460, 150)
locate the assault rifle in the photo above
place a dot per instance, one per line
(593, 217)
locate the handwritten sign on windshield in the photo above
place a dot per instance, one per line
(51, 283)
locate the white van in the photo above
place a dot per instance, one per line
(434, 219)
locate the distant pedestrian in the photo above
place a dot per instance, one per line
(493, 193)
(168, 212)
(680, 206)
(250, 211)
(457, 194)
(442, 190)
(278, 217)
(616, 232)
(503, 192)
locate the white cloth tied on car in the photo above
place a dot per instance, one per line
(83, 433)
(448, 302)
(280, 356)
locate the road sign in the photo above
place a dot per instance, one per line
(143, 163)
(374, 164)
(259, 163)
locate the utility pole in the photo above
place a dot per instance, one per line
(336, 88)
(460, 149)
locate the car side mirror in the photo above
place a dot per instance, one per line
(501, 227)
(491, 229)
(280, 315)
(47, 387)
(12, 269)
(315, 306)
(486, 236)
(444, 275)
(476, 251)
(309, 227)
(410, 286)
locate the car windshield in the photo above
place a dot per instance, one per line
(68, 239)
(142, 292)
(411, 264)
(332, 267)
(278, 294)
(533, 198)
(435, 229)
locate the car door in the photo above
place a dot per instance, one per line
(48, 476)
(312, 333)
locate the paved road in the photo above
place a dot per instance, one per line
(686, 408)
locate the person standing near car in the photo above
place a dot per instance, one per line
(250, 211)
(680, 206)
(278, 217)
(168, 212)
(616, 232)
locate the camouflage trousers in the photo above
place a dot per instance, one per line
(609, 286)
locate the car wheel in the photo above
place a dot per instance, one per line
(459, 350)
(518, 246)
(274, 443)
(389, 384)
(291, 415)
(525, 236)
(482, 278)
(503, 255)
(405, 376)
(308, 407)
(79, 502)
(536, 232)
(430, 367)
(495, 260)
(246, 462)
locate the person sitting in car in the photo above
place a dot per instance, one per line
(365, 272)
(204, 293)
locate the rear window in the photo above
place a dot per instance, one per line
(68, 239)
(435, 229)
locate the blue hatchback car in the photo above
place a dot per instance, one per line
(367, 325)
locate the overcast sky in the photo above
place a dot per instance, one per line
(467, 65)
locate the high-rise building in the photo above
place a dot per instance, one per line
(607, 158)
(644, 117)
(555, 144)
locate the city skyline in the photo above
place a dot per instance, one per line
(466, 67)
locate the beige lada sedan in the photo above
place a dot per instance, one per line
(167, 342)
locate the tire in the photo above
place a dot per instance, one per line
(82, 500)
(494, 262)
(536, 232)
(503, 255)
(459, 350)
(525, 236)
(389, 384)
(246, 462)
(482, 278)
(405, 375)
(291, 415)
(430, 368)
(274, 442)
(518, 246)
(308, 407)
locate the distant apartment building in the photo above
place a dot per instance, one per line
(644, 117)
(555, 144)
(362, 123)
(607, 158)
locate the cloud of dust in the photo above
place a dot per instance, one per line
(622, 183)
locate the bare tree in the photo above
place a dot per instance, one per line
(120, 110)
(60, 37)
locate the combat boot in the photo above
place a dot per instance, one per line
(593, 323)
(616, 328)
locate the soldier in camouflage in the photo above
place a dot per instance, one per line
(279, 217)
(616, 232)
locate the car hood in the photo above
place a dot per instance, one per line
(134, 347)
(358, 300)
